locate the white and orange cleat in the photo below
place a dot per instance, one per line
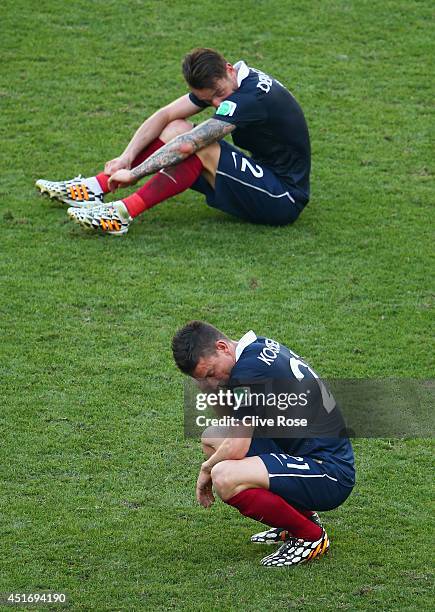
(112, 218)
(79, 191)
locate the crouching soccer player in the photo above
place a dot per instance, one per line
(278, 481)
(271, 187)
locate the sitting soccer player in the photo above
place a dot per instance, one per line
(271, 187)
(278, 481)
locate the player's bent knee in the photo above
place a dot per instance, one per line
(223, 479)
(175, 128)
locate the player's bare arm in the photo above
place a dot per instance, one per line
(183, 146)
(174, 152)
(230, 448)
(181, 108)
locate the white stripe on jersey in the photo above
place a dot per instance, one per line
(303, 476)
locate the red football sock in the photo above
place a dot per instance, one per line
(271, 509)
(165, 184)
(103, 178)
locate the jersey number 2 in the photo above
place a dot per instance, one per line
(257, 171)
(327, 398)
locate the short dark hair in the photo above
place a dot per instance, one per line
(202, 67)
(195, 340)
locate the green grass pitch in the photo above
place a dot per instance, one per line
(97, 484)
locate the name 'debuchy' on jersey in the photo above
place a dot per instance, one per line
(270, 125)
(274, 382)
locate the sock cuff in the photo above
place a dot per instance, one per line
(134, 204)
(102, 180)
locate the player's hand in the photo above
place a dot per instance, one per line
(121, 178)
(119, 163)
(204, 492)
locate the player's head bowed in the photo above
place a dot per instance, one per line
(210, 77)
(202, 67)
(204, 352)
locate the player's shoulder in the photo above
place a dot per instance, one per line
(258, 82)
(258, 356)
(253, 83)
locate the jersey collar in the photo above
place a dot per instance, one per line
(242, 71)
(244, 341)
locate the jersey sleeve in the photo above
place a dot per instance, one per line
(197, 101)
(241, 110)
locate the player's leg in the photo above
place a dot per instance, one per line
(88, 191)
(305, 482)
(250, 191)
(233, 476)
(175, 179)
(250, 478)
(211, 440)
(277, 535)
(155, 145)
(116, 217)
(246, 485)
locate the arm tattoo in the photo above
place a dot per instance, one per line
(169, 155)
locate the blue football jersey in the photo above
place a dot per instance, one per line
(273, 381)
(270, 125)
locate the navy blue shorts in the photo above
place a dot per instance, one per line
(249, 191)
(304, 482)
